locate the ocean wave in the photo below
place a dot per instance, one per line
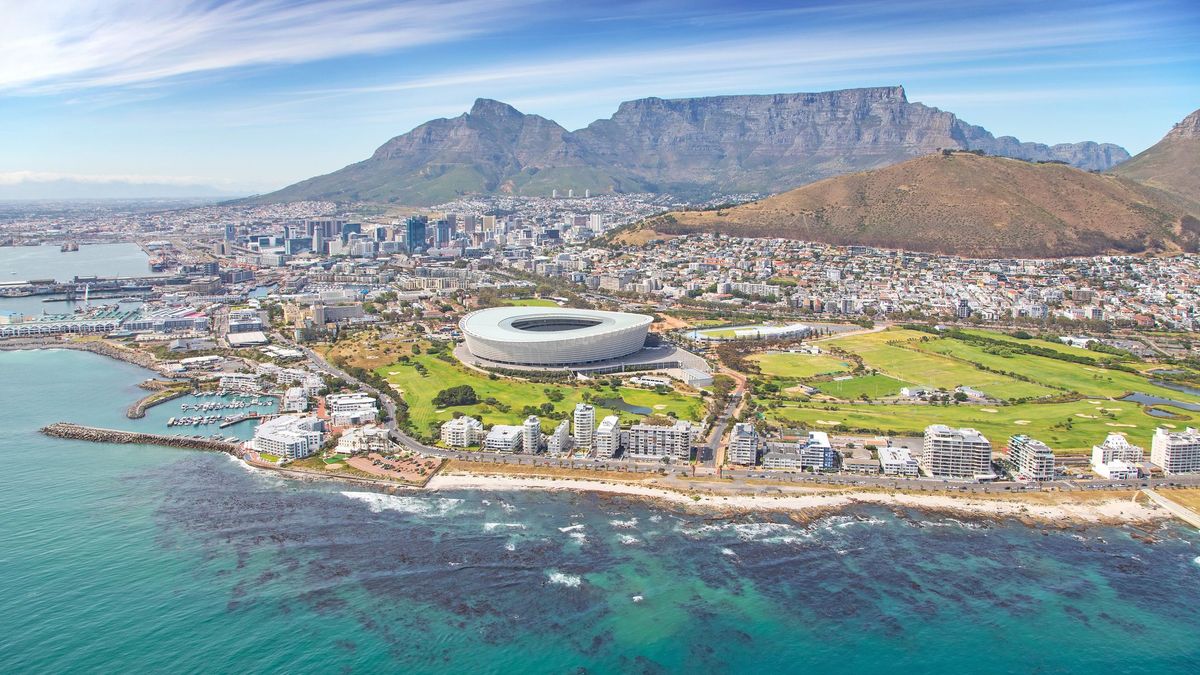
(572, 528)
(729, 552)
(568, 580)
(629, 539)
(624, 524)
(579, 537)
(510, 546)
(492, 527)
(417, 506)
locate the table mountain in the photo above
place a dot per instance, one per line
(960, 203)
(1172, 164)
(761, 143)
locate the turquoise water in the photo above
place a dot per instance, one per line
(148, 559)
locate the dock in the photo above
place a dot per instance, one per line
(101, 435)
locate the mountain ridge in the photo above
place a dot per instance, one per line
(960, 203)
(731, 143)
(1171, 165)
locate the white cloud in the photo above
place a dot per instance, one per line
(65, 45)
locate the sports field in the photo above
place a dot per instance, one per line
(874, 386)
(419, 390)
(798, 366)
(529, 302)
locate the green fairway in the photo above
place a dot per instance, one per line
(929, 369)
(798, 366)
(1090, 421)
(529, 302)
(874, 386)
(419, 390)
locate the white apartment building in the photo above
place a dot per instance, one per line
(295, 399)
(652, 440)
(503, 438)
(897, 461)
(370, 438)
(956, 453)
(289, 436)
(607, 439)
(356, 408)
(814, 452)
(1176, 452)
(1033, 459)
(743, 444)
(559, 442)
(462, 432)
(1116, 458)
(246, 383)
(531, 435)
(585, 425)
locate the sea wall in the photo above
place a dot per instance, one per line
(100, 435)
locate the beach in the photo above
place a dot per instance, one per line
(1063, 513)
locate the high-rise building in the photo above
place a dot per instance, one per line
(814, 452)
(531, 435)
(956, 453)
(1176, 452)
(656, 440)
(607, 439)
(289, 436)
(415, 233)
(559, 442)
(743, 444)
(1033, 459)
(585, 425)
(1116, 458)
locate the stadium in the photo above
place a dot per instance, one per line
(552, 336)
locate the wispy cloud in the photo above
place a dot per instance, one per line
(74, 44)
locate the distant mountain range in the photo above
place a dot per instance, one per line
(71, 188)
(991, 207)
(694, 146)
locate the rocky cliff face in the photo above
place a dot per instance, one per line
(1172, 164)
(722, 143)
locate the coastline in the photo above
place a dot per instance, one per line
(1111, 511)
(97, 346)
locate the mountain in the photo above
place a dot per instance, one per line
(691, 146)
(1172, 164)
(960, 203)
(55, 188)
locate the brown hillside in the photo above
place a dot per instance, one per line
(968, 205)
(1172, 164)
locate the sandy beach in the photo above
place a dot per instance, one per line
(1064, 513)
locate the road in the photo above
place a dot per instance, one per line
(732, 478)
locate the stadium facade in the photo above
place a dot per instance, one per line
(553, 336)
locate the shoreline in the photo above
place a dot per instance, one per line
(817, 503)
(98, 346)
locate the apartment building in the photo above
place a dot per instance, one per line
(1033, 459)
(814, 452)
(503, 438)
(1116, 458)
(744, 442)
(653, 440)
(956, 453)
(356, 408)
(559, 442)
(585, 425)
(607, 439)
(1176, 452)
(289, 436)
(462, 432)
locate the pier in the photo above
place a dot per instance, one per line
(79, 432)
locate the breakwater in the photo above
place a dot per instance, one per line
(79, 432)
(138, 409)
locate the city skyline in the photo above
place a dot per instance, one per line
(250, 96)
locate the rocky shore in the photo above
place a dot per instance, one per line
(102, 347)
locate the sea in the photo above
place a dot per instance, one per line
(24, 263)
(147, 559)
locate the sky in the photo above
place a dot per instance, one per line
(251, 95)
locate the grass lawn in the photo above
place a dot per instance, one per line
(930, 369)
(419, 391)
(1035, 342)
(1087, 380)
(1189, 498)
(529, 302)
(1090, 421)
(874, 386)
(798, 366)
(267, 457)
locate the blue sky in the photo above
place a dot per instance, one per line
(253, 95)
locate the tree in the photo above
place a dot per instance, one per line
(463, 394)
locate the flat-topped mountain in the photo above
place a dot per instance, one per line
(1172, 164)
(759, 143)
(962, 204)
